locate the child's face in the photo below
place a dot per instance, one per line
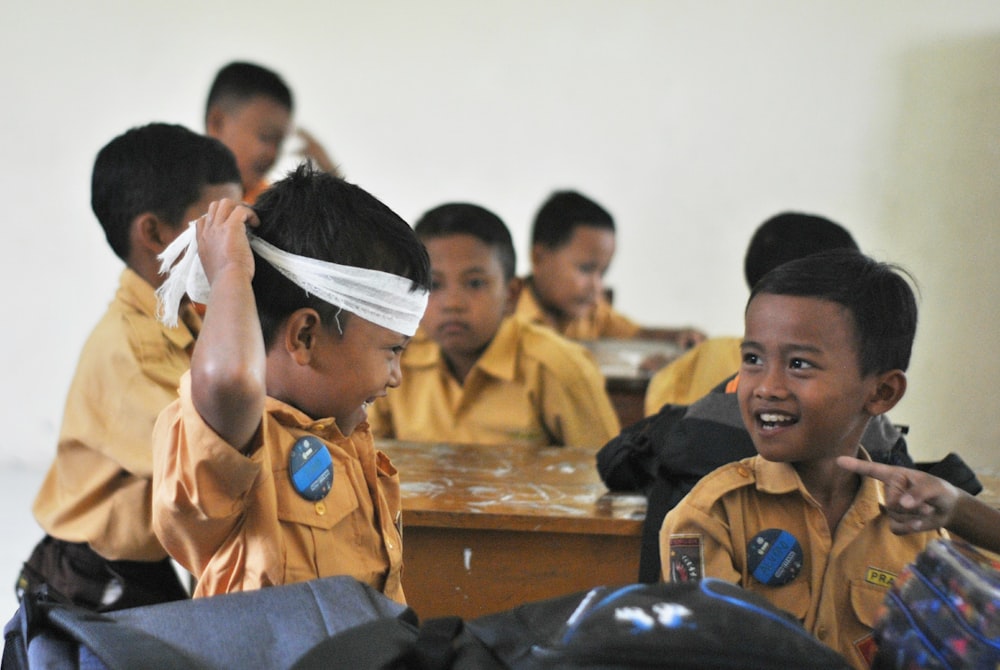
(348, 372)
(254, 132)
(801, 392)
(469, 295)
(569, 280)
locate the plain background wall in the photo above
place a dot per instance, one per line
(692, 121)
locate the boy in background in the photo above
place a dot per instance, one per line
(478, 375)
(783, 237)
(99, 551)
(572, 244)
(826, 345)
(264, 469)
(249, 109)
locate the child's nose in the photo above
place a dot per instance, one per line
(771, 383)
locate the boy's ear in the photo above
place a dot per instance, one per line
(300, 333)
(214, 121)
(889, 389)
(151, 233)
(514, 287)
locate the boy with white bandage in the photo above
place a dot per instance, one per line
(264, 470)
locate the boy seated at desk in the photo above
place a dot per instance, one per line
(810, 523)
(572, 244)
(474, 374)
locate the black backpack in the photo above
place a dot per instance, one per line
(340, 623)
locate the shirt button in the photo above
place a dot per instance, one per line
(821, 632)
(321, 508)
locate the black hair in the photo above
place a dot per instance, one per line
(788, 236)
(239, 81)
(158, 168)
(459, 218)
(562, 213)
(877, 295)
(314, 214)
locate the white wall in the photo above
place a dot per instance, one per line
(691, 120)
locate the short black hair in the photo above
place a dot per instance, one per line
(159, 168)
(878, 296)
(562, 213)
(239, 81)
(461, 218)
(314, 214)
(788, 236)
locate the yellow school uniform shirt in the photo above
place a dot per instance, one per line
(694, 373)
(97, 489)
(530, 386)
(843, 579)
(236, 523)
(601, 321)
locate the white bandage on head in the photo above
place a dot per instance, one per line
(380, 297)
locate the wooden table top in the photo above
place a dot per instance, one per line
(543, 489)
(620, 360)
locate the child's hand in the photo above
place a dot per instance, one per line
(313, 150)
(915, 500)
(222, 239)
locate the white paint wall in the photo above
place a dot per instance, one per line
(691, 120)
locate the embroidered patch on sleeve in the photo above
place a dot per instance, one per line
(686, 561)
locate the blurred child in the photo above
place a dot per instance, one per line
(99, 550)
(783, 237)
(478, 375)
(249, 109)
(264, 470)
(826, 345)
(572, 244)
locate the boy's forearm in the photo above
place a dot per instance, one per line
(227, 369)
(976, 522)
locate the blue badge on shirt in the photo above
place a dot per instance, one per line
(311, 468)
(774, 557)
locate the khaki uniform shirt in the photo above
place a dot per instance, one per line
(236, 523)
(97, 489)
(843, 579)
(693, 374)
(530, 386)
(601, 321)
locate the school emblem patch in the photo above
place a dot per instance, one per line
(687, 563)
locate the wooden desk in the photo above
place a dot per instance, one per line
(620, 362)
(486, 528)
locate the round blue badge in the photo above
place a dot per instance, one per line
(774, 557)
(311, 468)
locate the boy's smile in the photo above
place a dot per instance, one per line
(801, 393)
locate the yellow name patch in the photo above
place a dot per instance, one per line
(879, 577)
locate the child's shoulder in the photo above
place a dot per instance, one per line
(724, 480)
(544, 344)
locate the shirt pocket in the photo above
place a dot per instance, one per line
(324, 514)
(793, 597)
(867, 602)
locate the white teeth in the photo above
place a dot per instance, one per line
(365, 404)
(775, 418)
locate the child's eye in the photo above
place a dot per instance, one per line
(435, 285)
(750, 359)
(476, 284)
(398, 349)
(800, 364)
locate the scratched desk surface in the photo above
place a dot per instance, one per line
(549, 489)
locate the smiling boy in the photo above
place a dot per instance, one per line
(477, 375)
(827, 341)
(264, 470)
